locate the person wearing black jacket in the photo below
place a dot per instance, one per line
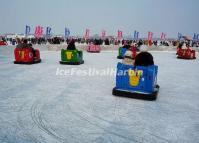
(71, 45)
(144, 59)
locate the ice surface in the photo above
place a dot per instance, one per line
(36, 106)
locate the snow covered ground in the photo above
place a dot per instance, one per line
(38, 106)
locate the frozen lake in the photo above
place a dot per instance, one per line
(38, 106)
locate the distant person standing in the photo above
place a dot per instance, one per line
(107, 41)
(20, 45)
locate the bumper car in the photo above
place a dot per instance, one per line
(2, 43)
(121, 53)
(71, 57)
(93, 48)
(136, 82)
(186, 53)
(26, 56)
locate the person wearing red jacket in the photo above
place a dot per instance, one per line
(188, 52)
(133, 49)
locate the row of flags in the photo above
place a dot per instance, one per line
(195, 36)
(39, 33)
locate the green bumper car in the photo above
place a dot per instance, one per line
(71, 57)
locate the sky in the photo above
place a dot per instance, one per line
(168, 16)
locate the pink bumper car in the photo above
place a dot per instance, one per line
(92, 48)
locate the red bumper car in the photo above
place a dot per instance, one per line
(26, 56)
(186, 53)
(2, 43)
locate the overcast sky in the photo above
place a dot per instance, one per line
(169, 16)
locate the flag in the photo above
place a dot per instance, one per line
(48, 32)
(87, 33)
(163, 36)
(195, 36)
(67, 33)
(103, 34)
(150, 36)
(38, 31)
(179, 36)
(136, 35)
(119, 34)
(27, 31)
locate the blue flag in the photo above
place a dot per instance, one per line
(179, 36)
(136, 35)
(67, 32)
(48, 32)
(195, 37)
(27, 31)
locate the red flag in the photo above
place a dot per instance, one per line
(163, 36)
(150, 36)
(103, 34)
(119, 34)
(87, 34)
(38, 31)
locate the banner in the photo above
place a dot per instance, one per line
(67, 33)
(119, 34)
(136, 35)
(48, 32)
(86, 35)
(103, 34)
(179, 36)
(38, 31)
(163, 36)
(27, 31)
(150, 36)
(195, 37)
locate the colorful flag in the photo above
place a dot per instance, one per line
(163, 36)
(179, 36)
(103, 34)
(136, 35)
(150, 36)
(38, 31)
(195, 36)
(67, 33)
(48, 32)
(27, 31)
(119, 34)
(86, 35)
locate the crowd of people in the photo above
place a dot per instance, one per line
(99, 41)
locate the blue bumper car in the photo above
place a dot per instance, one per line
(136, 82)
